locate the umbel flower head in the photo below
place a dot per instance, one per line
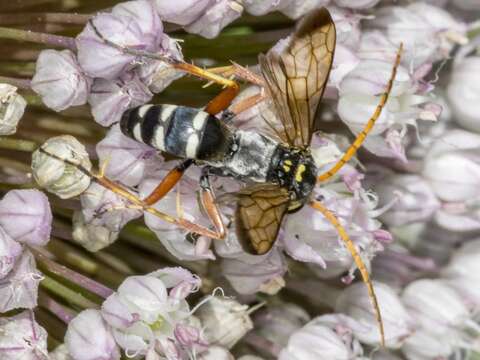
(113, 267)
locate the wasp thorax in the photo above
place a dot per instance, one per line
(296, 170)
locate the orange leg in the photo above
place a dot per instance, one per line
(358, 261)
(371, 122)
(139, 203)
(168, 182)
(240, 72)
(210, 206)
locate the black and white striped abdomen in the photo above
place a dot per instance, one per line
(178, 130)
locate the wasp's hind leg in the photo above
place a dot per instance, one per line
(168, 182)
(368, 127)
(358, 261)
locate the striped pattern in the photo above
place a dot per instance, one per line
(177, 130)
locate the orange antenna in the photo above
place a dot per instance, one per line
(358, 261)
(368, 127)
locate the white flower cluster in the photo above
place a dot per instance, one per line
(409, 201)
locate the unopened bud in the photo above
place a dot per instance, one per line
(12, 107)
(57, 164)
(225, 320)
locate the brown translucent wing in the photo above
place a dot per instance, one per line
(296, 76)
(260, 210)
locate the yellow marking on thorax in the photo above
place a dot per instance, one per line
(287, 165)
(298, 174)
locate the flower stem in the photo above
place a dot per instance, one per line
(36, 37)
(30, 18)
(19, 83)
(77, 259)
(76, 278)
(8, 143)
(60, 311)
(66, 293)
(262, 343)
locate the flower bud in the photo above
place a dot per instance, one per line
(428, 32)
(22, 338)
(355, 302)
(59, 80)
(181, 281)
(321, 339)
(56, 175)
(182, 13)
(127, 160)
(463, 92)
(19, 289)
(10, 250)
(216, 353)
(359, 4)
(423, 345)
(12, 107)
(297, 8)
(262, 7)
(82, 345)
(91, 237)
(157, 74)
(466, 4)
(437, 307)
(278, 322)
(103, 207)
(225, 321)
(109, 99)
(449, 176)
(249, 274)
(134, 24)
(60, 353)
(26, 216)
(347, 26)
(413, 198)
(463, 271)
(215, 18)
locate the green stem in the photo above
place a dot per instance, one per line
(20, 83)
(9, 143)
(36, 37)
(30, 18)
(72, 276)
(72, 297)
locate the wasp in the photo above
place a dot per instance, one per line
(277, 168)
